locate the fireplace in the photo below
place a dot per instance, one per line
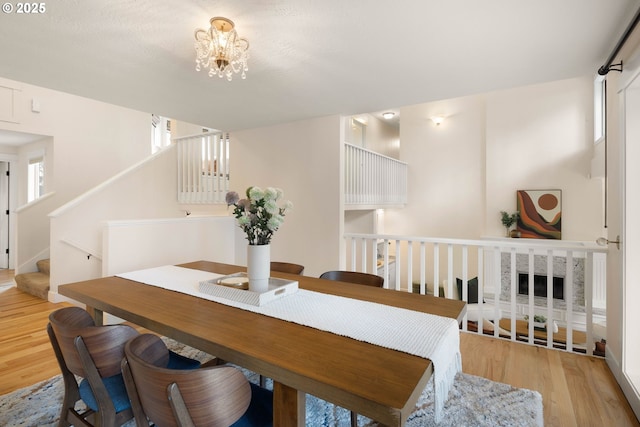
(540, 285)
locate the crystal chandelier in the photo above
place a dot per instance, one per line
(221, 49)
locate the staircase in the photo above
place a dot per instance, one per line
(36, 283)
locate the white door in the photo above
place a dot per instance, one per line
(4, 214)
(631, 240)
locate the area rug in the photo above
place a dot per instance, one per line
(473, 401)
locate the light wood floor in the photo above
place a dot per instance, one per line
(577, 390)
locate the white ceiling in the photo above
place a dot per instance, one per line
(308, 57)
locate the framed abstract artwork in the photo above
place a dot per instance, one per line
(540, 214)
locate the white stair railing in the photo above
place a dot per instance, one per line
(203, 168)
(422, 265)
(372, 180)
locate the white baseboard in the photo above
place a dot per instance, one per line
(630, 392)
(55, 297)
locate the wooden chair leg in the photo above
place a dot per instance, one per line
(354, 419)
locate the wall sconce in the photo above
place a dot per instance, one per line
(604, 242)
(437, 120)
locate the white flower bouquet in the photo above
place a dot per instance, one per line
(260, 214)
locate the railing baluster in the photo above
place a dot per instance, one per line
(423, 287)
(450, 275)
(398, 264)
(549, 299)
(569, 299)
(386, 263)
(531, 297)
(480, 292)
(436, 270)
(512, 297)
(465, 285)
(374, 256)
(497, 286)
(409, 265)
(588, 296)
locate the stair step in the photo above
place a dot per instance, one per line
(43, 266)
(36, 284)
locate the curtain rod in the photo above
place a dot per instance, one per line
(607, 66)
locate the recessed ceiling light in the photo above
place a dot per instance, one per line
(388, 115)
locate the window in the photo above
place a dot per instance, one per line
(160, 133)
(35, 178)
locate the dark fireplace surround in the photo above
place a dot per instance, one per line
(540, 286)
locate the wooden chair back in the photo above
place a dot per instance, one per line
(93, 353)
(105, 344)
(209, 396)
(354, 277)
(287, 267)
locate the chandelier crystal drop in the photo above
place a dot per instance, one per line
(221, 50)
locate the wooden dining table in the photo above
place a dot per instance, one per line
(374, 381)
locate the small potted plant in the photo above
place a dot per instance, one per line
(539, 322)
(508, 220)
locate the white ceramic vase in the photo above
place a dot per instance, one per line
(258, 267)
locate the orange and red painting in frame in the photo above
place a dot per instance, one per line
(540, 214)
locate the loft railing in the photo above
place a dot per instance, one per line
(203, 167)
(372, 180)
(498, 265)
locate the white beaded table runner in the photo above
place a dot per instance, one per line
(421, 334)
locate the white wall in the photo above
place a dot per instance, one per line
(541, 137)
(446, 171)
(465, 171)
(303, 159)
(135, 245)
(97, 138)
(92, 141)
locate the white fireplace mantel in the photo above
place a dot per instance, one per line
(559, 248)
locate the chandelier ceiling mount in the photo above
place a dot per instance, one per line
(221, 50)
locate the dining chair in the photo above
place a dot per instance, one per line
(287, 267)
(94, 354)
(356, 278)
(209, 396)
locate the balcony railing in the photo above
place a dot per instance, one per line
(372, 180)
(203, 168)
(504, 268)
